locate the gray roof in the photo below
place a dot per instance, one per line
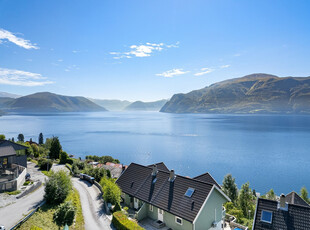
(160, 166)
(7, 151)
(206, 177)
(138, 181)
(294, 198)
(295, 218)
(13, 144)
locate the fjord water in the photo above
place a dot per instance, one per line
(269, 151)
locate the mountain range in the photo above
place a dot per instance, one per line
(255, 93)
(46, 102)
(146, 106)
(111, 105)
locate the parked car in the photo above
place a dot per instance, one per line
(27, 177)
(2, 227)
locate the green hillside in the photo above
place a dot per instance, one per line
(49, 102)
(256, 93)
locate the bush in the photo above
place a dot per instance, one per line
(57, 188)
(64, 214)
(117, 207)
(63, 157)
(111, 192)
(35, 228)
(69, 161)
(121, 222)
(45, 164)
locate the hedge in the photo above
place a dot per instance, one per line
(121, 222)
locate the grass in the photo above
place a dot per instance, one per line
(46, 173)
(43, 218)
(13, 192)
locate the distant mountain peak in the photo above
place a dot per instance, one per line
(10, 95)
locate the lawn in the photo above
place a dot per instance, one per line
(43, 218)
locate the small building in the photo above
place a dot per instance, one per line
(178, 202)
(291, 212)
(12, 167)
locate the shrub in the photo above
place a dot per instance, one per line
(111, 192)
(57, 188)
(63, 157)
(69, 161)
(117, 207)
(45, 164)
(121, 222)
(35, 228)
(64, 214)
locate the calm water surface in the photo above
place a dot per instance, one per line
(269, 151)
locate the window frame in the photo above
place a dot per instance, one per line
(265, 221)
(151, 208)
(176, 218)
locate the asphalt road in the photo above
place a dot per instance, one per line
(92, 205)
(11, 214)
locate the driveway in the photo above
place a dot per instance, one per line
(12, 213)
(92, 205)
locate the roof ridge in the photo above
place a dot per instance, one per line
(177, 175)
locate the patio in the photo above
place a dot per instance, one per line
(147, 224)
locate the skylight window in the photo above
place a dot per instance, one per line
(266, 216)
(189, 192)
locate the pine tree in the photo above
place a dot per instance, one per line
(230, 188)
(55, 148)
(41, 140)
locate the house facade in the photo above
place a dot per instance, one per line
(12, 167)
(180, 203)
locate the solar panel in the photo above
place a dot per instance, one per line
(189, 192)
(266, 216)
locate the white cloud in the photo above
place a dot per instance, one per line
(22, 78)
(7, 35)
(144, 50)
(204, 71)
(224, 66)
(237, 54)
(172, 73)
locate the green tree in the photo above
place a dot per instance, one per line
(35, 150)
(2, 137)
(63, 157)
(64, 214)
(111, 192)
(271, 195)
(21, 137)
(246, 199)
(57, 188)
(41, 140)
(55, 148)
(230, 187)
(304, 194)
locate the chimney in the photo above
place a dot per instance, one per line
(282, 201)
(171, 176)
(154, 172)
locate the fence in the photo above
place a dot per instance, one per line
(27, 217)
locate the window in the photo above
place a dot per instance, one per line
(266, 217)
(5, 161)
(151, 207)
(179, 220)
(155, 179)
(189, 192)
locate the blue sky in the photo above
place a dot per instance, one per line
(147, 50)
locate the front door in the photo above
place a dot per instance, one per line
(161, 215)
(136, 203)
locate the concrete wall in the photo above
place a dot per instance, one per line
(21, 178)
(212, 211)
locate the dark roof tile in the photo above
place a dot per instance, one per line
(296, 217)
(7, 151)
(206, 177)
(164, 194)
